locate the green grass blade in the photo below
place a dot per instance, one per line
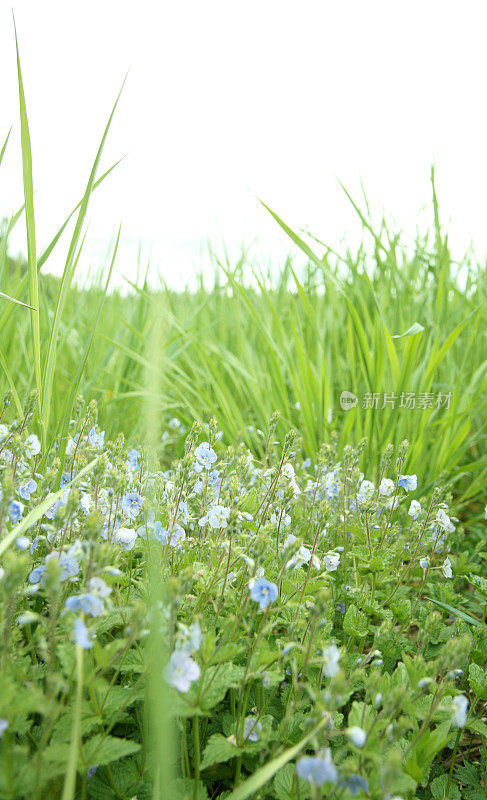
(263, 775)
(31, 236)
(50, 362)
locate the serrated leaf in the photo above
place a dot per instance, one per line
(102, 750)
(218, 750)
(355, 622)
(477, 678)
(439, 789)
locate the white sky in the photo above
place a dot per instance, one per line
(226, 101)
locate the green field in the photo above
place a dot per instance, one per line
(201, 595)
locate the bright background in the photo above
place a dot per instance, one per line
(229, 101)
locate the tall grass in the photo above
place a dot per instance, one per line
(391, 317)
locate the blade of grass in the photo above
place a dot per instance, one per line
(31, 238)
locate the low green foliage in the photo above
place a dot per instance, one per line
(324, 631)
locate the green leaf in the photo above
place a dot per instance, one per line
(415, 328)
(13, 300)
(285, 784)
(184, 790)
(456, 612)
(105, 749)
(477, 726)
(355, 622)
(439, 789)
(477, 678)
(218, 750)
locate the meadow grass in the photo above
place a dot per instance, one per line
(358, 584)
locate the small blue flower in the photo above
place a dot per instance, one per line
(355, 784)
(82, 636)
(51, 512)
(131, 504)
(408, 482)
(171, 536)
(91, 771)
(213, 478)
(65, 479)
(37, 573)
(90, 602)
(132, 462)
(27, 489)
(97, 440)
(181, 671)
(317, 770)
(263, 592)
(216, 517)
(15, 511)
(205, 457)
(22, 542)
(87, 603)
(251, 729)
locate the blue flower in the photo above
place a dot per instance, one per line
(22, 542)
(37, 573)
(82, 636)
(97, 440)
(263, 592)
(355, 784)
(51, 512)
(205, 457)
(171, 536)
(131, 504)
(132, 457)
(251, 729)
(67, 561)
(317, 769)
(65, 479)
(216, 516)
(27, 489)
(87, 603)
(90, 602)
(408, 482)
(91, 771)
(15, 511)
(181, 671)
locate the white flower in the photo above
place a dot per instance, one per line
(414, 509)
(126, 537)
(443, 519)
(357, 736)
(32, 446)
(331, 657)
(386, 487)
(332, 561)
(424, 563)
(446, 567)
(303, 556)
(365, 492)
(459, 708)
(3, 726)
